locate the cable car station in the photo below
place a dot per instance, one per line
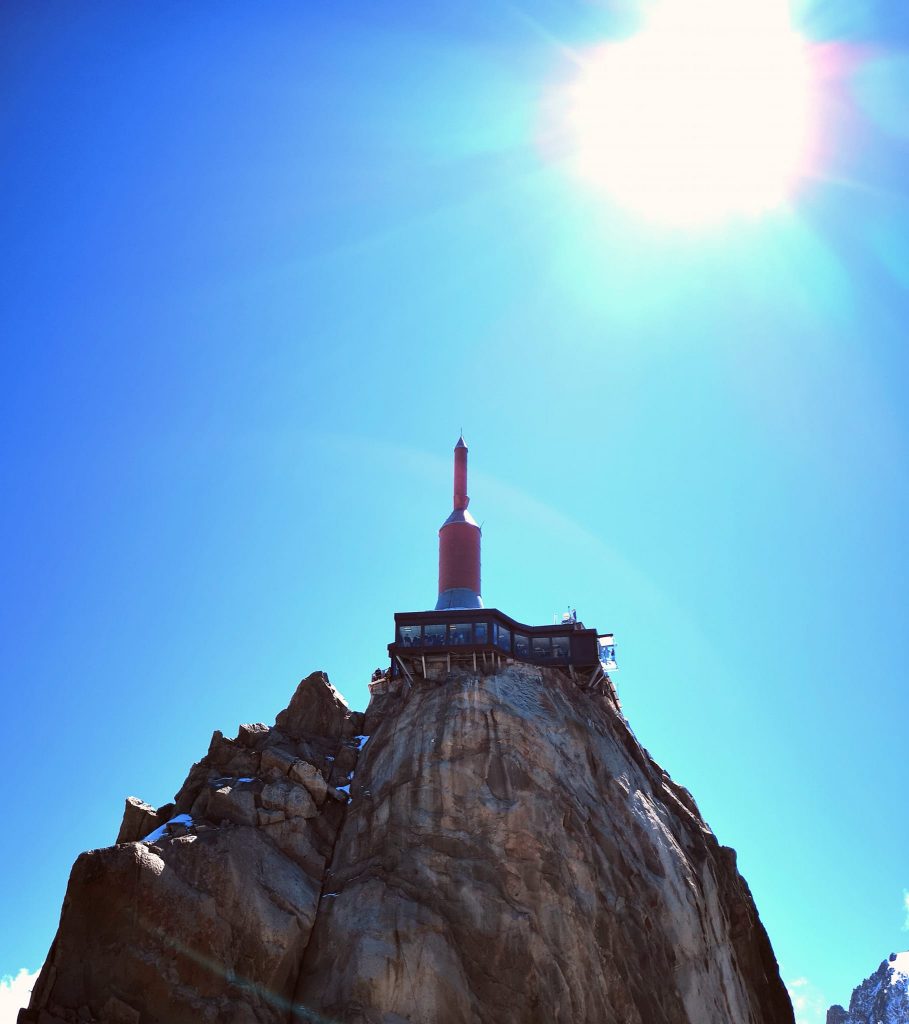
(461, 632)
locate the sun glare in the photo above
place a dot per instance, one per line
(705, 114)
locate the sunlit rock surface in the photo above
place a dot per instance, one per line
(208, 919)
(509, 854)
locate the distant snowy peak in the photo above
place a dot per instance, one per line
(881, 999)
(899, 966)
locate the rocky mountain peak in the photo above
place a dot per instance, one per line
(481, 847)
(882, 998)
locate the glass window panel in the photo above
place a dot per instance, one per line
(409, 636)
(560, 646)
(460, 633)
(434, 636)
(541, 646)
(503, 638)
(479, 632)
(521, 645)
(607, 651)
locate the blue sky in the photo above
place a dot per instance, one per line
(262, 262)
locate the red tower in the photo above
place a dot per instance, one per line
(459, 545)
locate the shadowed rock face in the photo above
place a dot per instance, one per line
(510, 854)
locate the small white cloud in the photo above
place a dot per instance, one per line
(809, 1004)
(14, 994)
(906, 909)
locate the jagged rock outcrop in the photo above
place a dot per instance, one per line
(208, 918)
(140, 818)
(883, 998)
(509, 854)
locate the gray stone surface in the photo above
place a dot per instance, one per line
(509, 854)
(139, 818)
(312, 779)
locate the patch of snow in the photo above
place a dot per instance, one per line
(182, 819)
(900, 963)
(246, 779)
(345, 789)
(361, 741)
(327, 894)
(350, 775)
(328, 757)
(883, 997)
(339, 695)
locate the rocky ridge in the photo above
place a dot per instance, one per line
(204, 907)
(882, 998)
(477, 848)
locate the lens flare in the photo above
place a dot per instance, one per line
(706, 114)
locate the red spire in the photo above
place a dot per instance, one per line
(461, 501)
(459, 545)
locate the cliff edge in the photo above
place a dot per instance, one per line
(480, 848)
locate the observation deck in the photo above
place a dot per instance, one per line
(428, 644)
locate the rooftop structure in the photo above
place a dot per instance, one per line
(461, 631)
(459, 545)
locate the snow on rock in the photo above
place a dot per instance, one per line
(361, 741)
(178, 819)
(899, 964)
(882, 998)
(140, 818)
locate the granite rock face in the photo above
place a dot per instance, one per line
(882, 998)
(208, 918)
(509, 854)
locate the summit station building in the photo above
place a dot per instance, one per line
(461, 631)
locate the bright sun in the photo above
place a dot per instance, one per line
(706, 114)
